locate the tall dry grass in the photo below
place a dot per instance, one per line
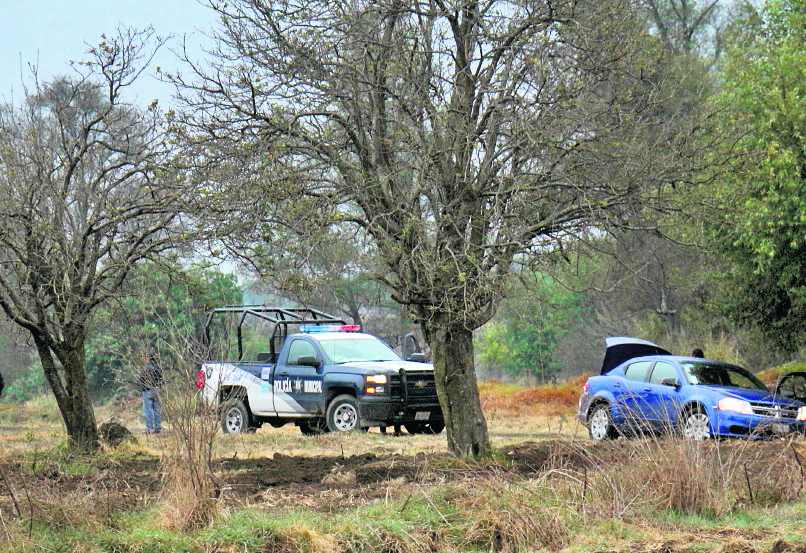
(190, 428)
(631, 479)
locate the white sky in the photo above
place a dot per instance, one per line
(50, 33)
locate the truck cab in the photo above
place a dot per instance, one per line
(317, 372)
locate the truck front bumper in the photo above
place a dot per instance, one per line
(395, 412)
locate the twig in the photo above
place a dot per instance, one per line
(11, 492)
(425, 495)
(747, 478)
(800, 466)
(405, 503)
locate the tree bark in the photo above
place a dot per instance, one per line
(69, 386)
(454, 370)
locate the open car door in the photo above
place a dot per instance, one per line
(792, 386)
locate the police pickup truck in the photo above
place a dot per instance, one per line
(306, 367)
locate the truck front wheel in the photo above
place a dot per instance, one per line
(234, 417)
(342, 414)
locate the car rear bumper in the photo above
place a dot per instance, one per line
(584, 407)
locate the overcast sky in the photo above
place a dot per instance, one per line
(50, 33)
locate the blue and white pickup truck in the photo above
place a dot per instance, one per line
(311, 369)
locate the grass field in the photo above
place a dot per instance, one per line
(548, 488)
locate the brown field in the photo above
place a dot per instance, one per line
(548, 487)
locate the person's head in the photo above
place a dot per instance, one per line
(697, 353)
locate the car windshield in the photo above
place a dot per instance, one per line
(349, 350)
(713, 374)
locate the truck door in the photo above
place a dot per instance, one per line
(297, 388)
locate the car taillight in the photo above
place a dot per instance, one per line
(200, 382)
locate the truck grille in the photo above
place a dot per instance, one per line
(775, 411)
(417, 386)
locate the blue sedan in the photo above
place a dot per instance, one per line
(644, 388)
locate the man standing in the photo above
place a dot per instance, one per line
(150, 381)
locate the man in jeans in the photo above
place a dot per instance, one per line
(150, 381)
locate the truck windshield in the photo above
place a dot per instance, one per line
(712, 374)
(349, 350)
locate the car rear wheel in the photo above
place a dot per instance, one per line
(696, 425)
(600, 424)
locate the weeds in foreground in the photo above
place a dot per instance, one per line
(630, 479)
(511, 516)
(191, 490)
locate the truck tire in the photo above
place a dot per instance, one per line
(234, 417)
(342, 414)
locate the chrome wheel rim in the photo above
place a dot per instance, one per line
(600, 423)
(233, 420)
(345, 417)
(697, 427)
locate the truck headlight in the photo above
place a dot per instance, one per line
(376, 379)
(734, 404)
(802, 413)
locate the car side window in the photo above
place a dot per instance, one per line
(297, 349)
(637, 371)
(663, 371)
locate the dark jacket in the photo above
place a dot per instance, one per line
(150, 377)
(1, 384)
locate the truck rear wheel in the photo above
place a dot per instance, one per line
(234, 417)
(342, 414)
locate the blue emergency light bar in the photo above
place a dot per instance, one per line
(312, 329)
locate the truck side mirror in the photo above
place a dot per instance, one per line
(417, 356)
(309, 361)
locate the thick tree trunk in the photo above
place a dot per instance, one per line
(458, 391)
(69, 385)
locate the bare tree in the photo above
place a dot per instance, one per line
(461, 136)
(84, 195)
(688, 27)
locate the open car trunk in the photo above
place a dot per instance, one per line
(622, 348)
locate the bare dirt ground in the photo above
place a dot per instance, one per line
(317, 482)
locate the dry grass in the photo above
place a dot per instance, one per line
(626, 484)
(631, 479)
(515, 401)
(511, 516)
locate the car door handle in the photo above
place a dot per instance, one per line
(647, 389)
(617, 385)
(283, 374)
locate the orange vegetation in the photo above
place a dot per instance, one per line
(514, 400)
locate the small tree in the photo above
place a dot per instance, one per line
(83, 197)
